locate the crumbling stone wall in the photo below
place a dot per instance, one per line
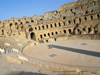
(81, 17)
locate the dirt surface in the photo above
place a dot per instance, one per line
(77, 52)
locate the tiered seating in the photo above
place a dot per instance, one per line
(13, 44)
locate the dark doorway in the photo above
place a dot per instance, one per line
(32, 36)
(46, 40)
(2, 32)
(89, 30)
(98, 16)
(64, 31)
(70, 31)
(55, 39)
(49, 34)
(64, 17)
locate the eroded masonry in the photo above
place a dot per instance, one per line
(73, 19)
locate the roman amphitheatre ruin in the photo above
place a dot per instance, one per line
(73, 31)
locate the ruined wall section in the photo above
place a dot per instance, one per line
(81, 17)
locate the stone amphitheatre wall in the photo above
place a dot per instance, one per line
(73, 37)
(76, 18)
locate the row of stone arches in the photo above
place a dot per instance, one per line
(64, 23)
(55, 33)
(86, 30)
(43, 27)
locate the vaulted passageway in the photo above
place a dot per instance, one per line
(32, 35)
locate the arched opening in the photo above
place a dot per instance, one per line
(46, 40)
(49, 34)
(52, 33)
(41, 36)
(96, 29)
(55, 39)
(74, 13)
(51, 25)
(80, 20)
(59, 24)
(86, 12)
(64, 31)
(84, 29)
(21, 22)
(22, 27)
(43, 27)
(55, 16)
(15, 23)
(91, 17)
(35, 28)
(69, 31)
(27, 22)
(55, 25)
(64, 17)
(32, 21)
(98, 16)
(44, 35)
(69, 21)
(92, 10)
(10, 24)
(71, 10)
(85, 18)
(79, 31)
(29, 26)
(47, 26)
(39, 27)
(65, 6)
(89, 30)
(74, 21)
(56, 33)
(51, 17)
(32, 36)
(2, 32)
(74, 30)
(31, 29)
(64, 23)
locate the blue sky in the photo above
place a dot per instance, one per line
(20, 8)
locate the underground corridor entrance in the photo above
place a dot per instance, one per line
(32, 35)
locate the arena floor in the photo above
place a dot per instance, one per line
(72, 52)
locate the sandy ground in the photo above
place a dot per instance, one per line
(65, 56)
